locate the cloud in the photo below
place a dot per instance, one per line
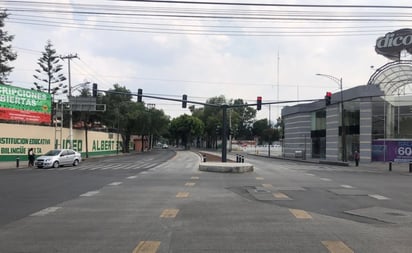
(202, 66)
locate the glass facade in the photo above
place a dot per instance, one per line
(392, 129)
(391, 120)
(351, 133)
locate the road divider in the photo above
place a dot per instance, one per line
(89, 194)
(182, 195)
(337, 247)
(300, 214)
(46, 211)
(147, 247)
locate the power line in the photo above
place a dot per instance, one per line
(272, 5)
(306, 21)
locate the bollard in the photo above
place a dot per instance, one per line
(17, 162)
(204, 158)
(243, 159)
(410, 167)
(390, 166)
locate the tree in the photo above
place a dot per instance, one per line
(186, 128)
(129, 117)
(119, 109)
(212, 118)
(242, 119)
(259, 128)
(49, 76)
(6, 53)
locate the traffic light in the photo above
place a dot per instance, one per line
(184, 101)
(94, 90)
(259, 103)
(139, 95)
(218, 130)
(328, 98)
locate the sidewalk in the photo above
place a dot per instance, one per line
(381, 167)
(12, 165)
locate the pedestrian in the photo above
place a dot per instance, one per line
(356, 157)
(31, 156)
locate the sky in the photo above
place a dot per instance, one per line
(261, 48)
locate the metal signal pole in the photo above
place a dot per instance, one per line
(69, 58)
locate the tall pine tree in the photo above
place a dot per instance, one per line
(6, 53)
(49, 78)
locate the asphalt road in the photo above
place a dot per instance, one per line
(27, 190)
(160, 202)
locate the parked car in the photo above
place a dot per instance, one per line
(58, 157)
(165, 146)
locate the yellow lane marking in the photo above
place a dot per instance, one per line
(259, 178)
(267, 185)
(169, 213)
(194, 178)
(337, 247)
(147, 247)
(300, 214)
(190, 184)
(279, 195)
(182, 195)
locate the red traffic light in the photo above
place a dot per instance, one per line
(259, 103)
(328, 98)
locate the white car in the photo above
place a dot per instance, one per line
(58, 157)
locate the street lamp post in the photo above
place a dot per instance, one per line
(343, 133)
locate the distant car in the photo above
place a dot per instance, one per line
(58, 157)
(165, 146)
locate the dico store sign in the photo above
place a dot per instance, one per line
(393, 43)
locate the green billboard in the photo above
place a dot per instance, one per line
(18, 104)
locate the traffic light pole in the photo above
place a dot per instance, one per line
(224, 133)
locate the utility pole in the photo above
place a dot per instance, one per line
(69, 57)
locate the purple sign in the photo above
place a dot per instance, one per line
(392, 150)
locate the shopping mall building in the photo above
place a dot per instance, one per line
(374, 119)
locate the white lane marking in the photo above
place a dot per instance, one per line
(115, 183)
(89, 194)
(378, 197)
(46, 211)
(325, 179)
(132, 177)
(309, 174)
(143, 172)
(346, 186)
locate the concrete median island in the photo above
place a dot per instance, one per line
(226, 167)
